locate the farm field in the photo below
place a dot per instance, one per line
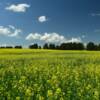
(49, 75)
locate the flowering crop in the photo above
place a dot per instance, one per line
(49, 75)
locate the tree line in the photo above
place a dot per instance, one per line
(68, 46)
(11, 47)
(63, 46)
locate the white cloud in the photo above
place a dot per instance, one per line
(3, 45)
(42, 19)
(12, 27)
(10, 31)
(4, 30)
(34, 36)
(16, 33)
(77, 40)
(51, 38)
(18, 7)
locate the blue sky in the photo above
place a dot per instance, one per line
(53, 21)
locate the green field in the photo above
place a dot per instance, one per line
(49, 75)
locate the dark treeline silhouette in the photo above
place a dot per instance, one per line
(64, 46)
(71, 46)
(67, 46)
(11, 47)
(18, 47)
(92, 46)
(34, 46)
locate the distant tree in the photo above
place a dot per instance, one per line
(45, 46)
(34, 46)
(98, 47)
(91, 46)
(18, 47)
(52, 46)
(67, 46)
(8, 47)
(80, 46)
(39, 47)
(2, 47)
(63, 46)
(71, 46)
(57, 47)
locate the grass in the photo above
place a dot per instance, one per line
(49, 75)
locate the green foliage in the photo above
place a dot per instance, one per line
(49, 75)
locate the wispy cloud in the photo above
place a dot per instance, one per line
(10, 31)
(42, 19)
(18, 8)
(97, 30)
(83, 36)
(95, 14)
(73, 39)
(51, 38)
(34, 36)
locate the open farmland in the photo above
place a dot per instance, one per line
(49, 75)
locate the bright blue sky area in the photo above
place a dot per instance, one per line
(69, 18)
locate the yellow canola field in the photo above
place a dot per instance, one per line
(49, 75)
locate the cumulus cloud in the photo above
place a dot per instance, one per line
(16, 33)
(34, 36)
(51, 38)
(12, 27)
(10, 31)
(18, 7)
(42, 19)
(77, 40)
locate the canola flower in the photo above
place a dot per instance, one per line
(58, 91)
(50, 93)
(49, 75)
(17, 98)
